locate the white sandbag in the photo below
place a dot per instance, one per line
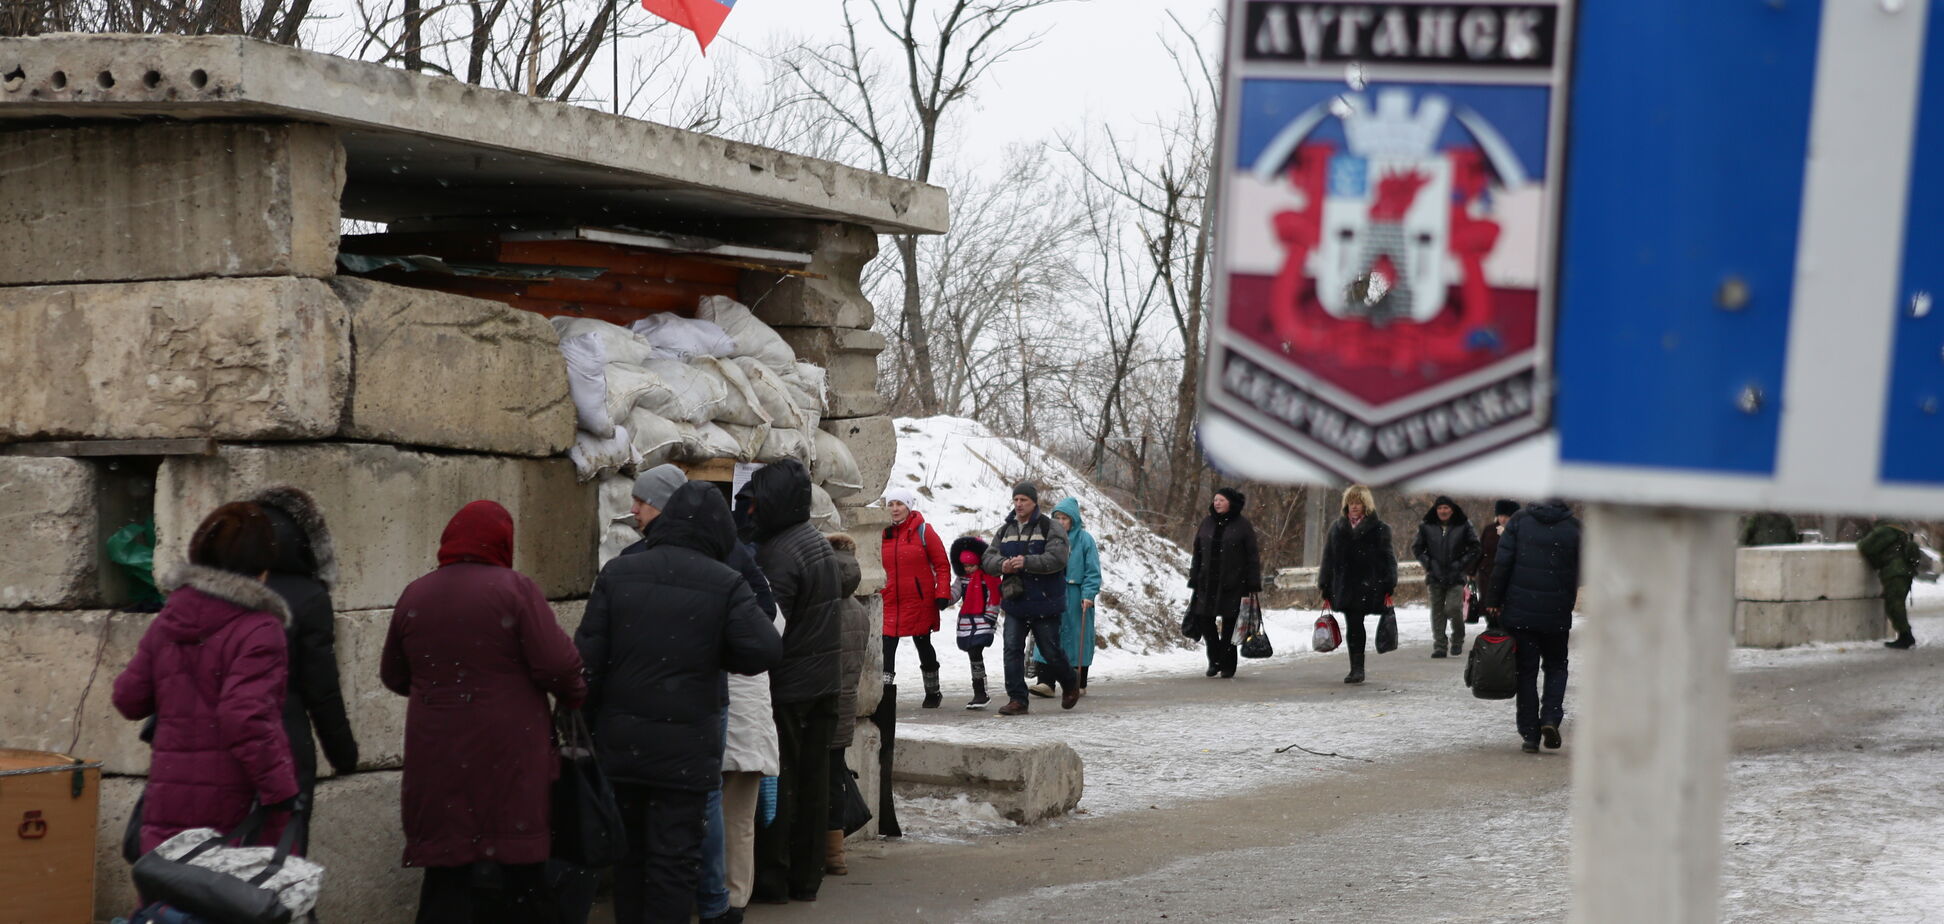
(622, 344)
(740, 405)
(834, 467)
(706, 441)
(810, 388)
(749, 440)
(679, 338)
(666, 388)
(753, 338)
(587, 383)
(772, 394)
(656, 439)
(823, 511)
(617, 530)
(593, 456)
(786, 444)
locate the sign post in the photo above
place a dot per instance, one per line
(1673, 259)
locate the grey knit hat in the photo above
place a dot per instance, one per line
(655, 486)
(1027, 488)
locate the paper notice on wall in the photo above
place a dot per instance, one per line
(743, 472)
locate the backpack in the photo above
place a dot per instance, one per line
(1328, 634)
(1492, 672)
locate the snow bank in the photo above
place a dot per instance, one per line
(963, 475)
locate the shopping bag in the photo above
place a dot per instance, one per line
(587, 827)
(1255, 638)
(1387, 631)
(214, 877)
(1328, 634)
(1493, 669)
(855, 813)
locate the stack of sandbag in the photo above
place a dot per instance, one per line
(721, 385)
(617, 524)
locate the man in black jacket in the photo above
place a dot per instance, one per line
(1535, 582)
(662, 625)
(802, 571)
(305, 570)
(1029, 556)
(1447, 547)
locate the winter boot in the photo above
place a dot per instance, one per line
(932, 695)
(1437, 649)
(1015, 707)
(1231, 657)
(1356, 674)
(1903, 640)
(1550, 735)
(1044, 689)
(1458, 646)
(834, 854)
(1529, 745)
(1214, 659)
(979, 697)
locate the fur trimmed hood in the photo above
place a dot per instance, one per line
(1357, 493)
(229, 587)
(315, 554)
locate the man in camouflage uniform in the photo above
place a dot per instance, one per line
(1894, 553)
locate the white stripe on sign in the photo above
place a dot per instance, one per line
(1849, 255)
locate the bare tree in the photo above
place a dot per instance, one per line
(898, 119)
(271, 20)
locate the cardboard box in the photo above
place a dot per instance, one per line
(49, 805)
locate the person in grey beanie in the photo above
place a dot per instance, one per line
(1029, 555)
(652, 490)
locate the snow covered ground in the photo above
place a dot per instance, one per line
(963, 475)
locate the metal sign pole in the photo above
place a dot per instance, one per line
(1651, 750)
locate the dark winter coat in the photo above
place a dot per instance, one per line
(1040, 588)
(1447, 550)
(742, 559)
(1770, 529)
(916, 576)
(1892, 551)
(303, 574)
(661, 627)
(802, 571)
(1488, 539)
(857, 643)
(1535, 580)
(476, 648)
(213, 669)
(1226, 565)
(1359, 566)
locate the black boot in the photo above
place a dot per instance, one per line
(1356, 668)
(1229, 660)
(1903, 640)
(932, 694)
(979, 697)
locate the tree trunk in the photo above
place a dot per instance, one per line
(925, 383)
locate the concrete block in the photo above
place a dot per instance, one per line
(50, 533)
(435, 369)
(1804, 572)
(99, 202)
(866, 526)
(1780, 624)
(1027, 783)
(57, 669)
(114, 891)
(870, 681)
(1295, 588)
(849, 356)
(836, 300)
(356, 833)
(862, 756)
(387, 507)
(873, 441)
(234, 359)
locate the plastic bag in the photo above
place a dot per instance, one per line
(766, 801)
(1387, 631)
(682, 339)
(656, 439)
(595, 456)
(740, 405)
(132, 549)
(587, 385)
(834, 467)
(1328, 634)
(621, 344)
(753, 338)
(786, 444)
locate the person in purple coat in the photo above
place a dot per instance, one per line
(212, 669)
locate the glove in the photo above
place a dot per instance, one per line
(943, 602)
(766, 801)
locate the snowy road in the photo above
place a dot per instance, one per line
(1836, 797)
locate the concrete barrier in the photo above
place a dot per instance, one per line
(1295, 588)
(1798, 594)
(1027, 783)
(50, 533)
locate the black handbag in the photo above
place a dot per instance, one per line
(587, 827)
(853, 813)
(1255, 638)
(215, 896)
(1387, 631)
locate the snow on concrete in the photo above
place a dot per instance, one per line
(963, 474)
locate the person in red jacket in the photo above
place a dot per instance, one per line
(917, 585)
(212, 668)
(978, 596)
(476, 649)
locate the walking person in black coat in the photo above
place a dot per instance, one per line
(1227, 566)
(803, 575)
(662, 625)
(304, 571)
(1359, 572)
(1447, 546)
(1535, 581)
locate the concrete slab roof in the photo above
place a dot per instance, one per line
(422, 147)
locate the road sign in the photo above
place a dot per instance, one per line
(1708, 282)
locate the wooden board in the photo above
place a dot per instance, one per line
(47, 839)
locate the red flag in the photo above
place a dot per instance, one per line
(702, 17)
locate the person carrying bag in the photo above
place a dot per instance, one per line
(215, 878)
